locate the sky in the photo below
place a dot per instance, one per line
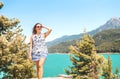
(65, 17)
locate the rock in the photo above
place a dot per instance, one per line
(64, 76)
(60, 76)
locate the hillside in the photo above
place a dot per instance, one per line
(62, 47)
(105, 41)
(108, 40)
(63, 39)
(113, 23)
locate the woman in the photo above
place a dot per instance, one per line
(38, 48)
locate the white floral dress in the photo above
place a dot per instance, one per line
(39, 48)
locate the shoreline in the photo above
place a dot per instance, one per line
(108, 53)
(97, 53)
(59, 53)
(60, 76)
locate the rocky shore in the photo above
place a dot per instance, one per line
(62, 76)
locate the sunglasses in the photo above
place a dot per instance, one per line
(38, 26)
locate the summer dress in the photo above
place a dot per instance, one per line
(39, 48)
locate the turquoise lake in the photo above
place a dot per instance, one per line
(56, 63)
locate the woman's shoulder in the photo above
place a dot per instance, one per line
(32, 35)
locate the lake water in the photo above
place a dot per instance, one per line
(56, 63)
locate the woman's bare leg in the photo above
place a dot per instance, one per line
(39, 66)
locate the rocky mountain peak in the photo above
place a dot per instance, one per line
(115, 21)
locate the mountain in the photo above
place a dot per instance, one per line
(61, 47)
(108, 40)
(63, 39)
(105, 41)
(113, 23)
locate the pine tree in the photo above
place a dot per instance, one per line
(107, 69)
(13, 50)
(1, 5)
(86, 63)
(116, 74)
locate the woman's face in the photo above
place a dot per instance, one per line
(38, 27)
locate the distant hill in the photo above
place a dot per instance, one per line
(113, 23)
(63, 39)
(61, 44)
(108, 40)
(105, 41)
(61, 47)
